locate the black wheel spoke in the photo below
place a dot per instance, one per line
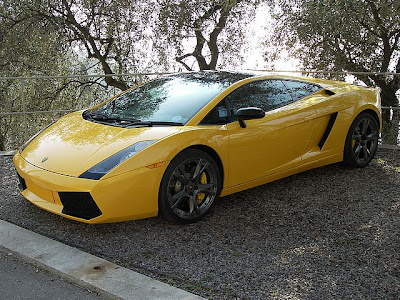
(193, 204)
(365, 125)
(357, 151)
(182, 174)
(371, 136)
(366, 152)
(177, 198)
(356, 136)
(201, 166)
(206, 189)
(178, 175)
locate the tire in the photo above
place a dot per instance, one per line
(189, 188)
(361, 141)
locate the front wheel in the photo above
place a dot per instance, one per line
(190, 186)
(361, 141)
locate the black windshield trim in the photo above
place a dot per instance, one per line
(127, 122)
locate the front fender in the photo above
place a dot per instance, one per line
(213, 136)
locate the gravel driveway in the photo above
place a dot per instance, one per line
(331, 232)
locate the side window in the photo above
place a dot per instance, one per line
(217, 116)
(265, 94)
(301, 89)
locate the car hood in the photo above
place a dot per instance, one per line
(73, 145)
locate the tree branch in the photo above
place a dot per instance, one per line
(180, 60)
(212, 44)
(95, 53)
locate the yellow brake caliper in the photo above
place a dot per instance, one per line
(203, 180)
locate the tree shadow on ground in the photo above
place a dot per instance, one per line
(328, 232)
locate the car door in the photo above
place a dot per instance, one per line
(273, 143)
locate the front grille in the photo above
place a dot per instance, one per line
(79, 204)
(21, 184)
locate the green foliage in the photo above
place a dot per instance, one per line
(215, 30)
(346, 35)
(343, 35)
(26, 50)
(49, 38)
(107, 33)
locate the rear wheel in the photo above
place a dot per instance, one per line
(190, 186)
(361, 141)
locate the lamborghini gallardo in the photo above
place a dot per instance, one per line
(172, 146)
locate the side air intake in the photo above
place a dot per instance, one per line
(328, 130)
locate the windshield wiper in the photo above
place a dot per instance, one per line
(94, 116)
(154, 123)
(105, 118)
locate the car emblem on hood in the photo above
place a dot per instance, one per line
(44, 159)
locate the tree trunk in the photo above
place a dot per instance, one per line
(110, 80)
(2, 148)
(388, 95)
(390, 126)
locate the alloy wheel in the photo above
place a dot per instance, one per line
(364, 140)
(192, 188)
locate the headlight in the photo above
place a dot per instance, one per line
(106, 165)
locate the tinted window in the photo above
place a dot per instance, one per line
(265, 94)
(174, 98)
(217, 116)
(301, 89)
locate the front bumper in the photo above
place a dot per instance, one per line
(128, 196)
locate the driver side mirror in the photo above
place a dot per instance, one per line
(249, 113)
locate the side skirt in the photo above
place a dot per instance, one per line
(263, 180)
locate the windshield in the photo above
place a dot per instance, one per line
(175, 99)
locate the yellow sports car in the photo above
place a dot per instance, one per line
(173, 145)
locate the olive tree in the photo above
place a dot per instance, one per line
(109, 33)
(25, 50)
(203, 34)
(52, 37)
(32, 45)
(343, 35)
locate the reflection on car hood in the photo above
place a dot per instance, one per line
(73, 145)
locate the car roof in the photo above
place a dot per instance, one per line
(223, 77)
(228, 78)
